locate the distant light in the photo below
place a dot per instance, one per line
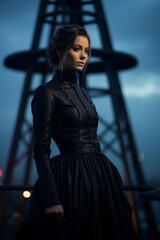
(26, 194)
(1, 172)
(141, 156)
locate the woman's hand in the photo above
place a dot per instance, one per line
(55, 212)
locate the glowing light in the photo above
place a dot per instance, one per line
(26, 194)
(1, 172)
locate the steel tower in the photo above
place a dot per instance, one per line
(116, 135)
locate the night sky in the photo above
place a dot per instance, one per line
(134, 29)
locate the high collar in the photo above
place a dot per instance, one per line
(66, 78)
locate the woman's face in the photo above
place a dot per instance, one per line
(77, 55)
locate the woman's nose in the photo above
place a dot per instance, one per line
(83, 55)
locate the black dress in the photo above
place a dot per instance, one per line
(81, 177)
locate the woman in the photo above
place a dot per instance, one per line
(78, 195)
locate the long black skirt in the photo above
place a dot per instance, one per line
(95, 206)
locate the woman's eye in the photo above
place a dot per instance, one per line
(76, 49)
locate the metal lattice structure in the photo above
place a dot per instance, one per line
(105, 61)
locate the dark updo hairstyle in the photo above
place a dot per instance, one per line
(62, 41)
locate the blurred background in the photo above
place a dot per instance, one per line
(134, 29)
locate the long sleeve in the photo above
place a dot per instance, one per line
(43, 106)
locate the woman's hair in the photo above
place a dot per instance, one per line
(62, 41)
